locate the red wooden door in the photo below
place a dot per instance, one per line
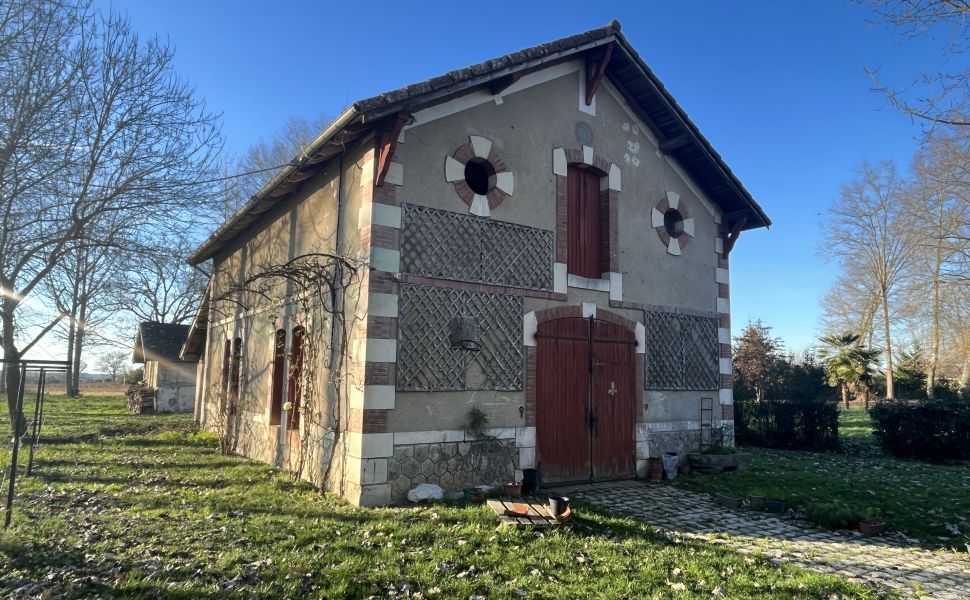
(613, 400)
(583, 222)
(585, 400)
(562, 400)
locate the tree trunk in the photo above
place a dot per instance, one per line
(69, 375)
(78, 346)
(890, 391)
(70, 384)
(845, 394)
(18, 423)
(965, 375)
(935, 324)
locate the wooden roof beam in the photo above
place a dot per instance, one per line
(387, 145)
(669, 145)
(595, 72)
(499, 85)
(733, 235)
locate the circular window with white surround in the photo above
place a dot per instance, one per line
(673, 224)
(479, 175)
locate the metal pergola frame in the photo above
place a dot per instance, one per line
(25, 366)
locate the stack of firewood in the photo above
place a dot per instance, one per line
(141, 399)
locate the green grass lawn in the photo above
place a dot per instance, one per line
(129, 506)
(925, 501)
(855, 429)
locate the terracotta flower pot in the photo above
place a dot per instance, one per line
(655, 468)
(871, 528)
(513, 490)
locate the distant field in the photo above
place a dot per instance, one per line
(95, 388)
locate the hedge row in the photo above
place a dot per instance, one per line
(788, 424)
(932, 430)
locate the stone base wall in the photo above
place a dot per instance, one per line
(452, 465)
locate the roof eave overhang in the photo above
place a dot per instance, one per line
(194, 345)
(686, 137)
(138, 354)
(292, 174)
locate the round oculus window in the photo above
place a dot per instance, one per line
(671, 219)
(480, 175)
(673, 223)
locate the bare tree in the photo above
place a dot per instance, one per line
(158, 284)
(940, 96)
(79, 286)
(851, 304)
(96, 133)
(249, 172)
(868, 231)
(940, 219)
(113, 363)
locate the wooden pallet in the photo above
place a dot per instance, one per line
(537, 515)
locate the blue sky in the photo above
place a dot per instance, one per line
(779, 88)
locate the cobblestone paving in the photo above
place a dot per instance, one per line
(880, 561)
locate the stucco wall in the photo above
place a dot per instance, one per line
(174, 384)
(524, 129)
(525, 126)
(306, 223)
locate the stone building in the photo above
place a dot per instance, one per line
(157, 345)
(546, 239)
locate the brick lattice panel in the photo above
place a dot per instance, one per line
(682, 352)
(425, 358)
(440, 243)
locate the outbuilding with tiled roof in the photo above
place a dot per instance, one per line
(157, 346)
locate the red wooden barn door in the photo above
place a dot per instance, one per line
(613, 401)
(585, 411)
(562, 399)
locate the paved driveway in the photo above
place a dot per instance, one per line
(910, 570)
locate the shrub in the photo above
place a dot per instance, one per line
(789, 424)
(799, 412)
(134, 376)
(833, 516)
(933, 430)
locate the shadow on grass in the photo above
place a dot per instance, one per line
(79, 578)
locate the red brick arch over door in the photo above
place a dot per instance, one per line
(584, 395)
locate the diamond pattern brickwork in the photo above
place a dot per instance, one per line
(440, 243)
(682, 352)
(427, 362)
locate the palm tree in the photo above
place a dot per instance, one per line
(848, 364)
(865, 360)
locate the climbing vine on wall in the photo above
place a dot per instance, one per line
(309, 291)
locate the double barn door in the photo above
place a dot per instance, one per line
(585, 400)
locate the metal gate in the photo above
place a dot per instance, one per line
(585, 400)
